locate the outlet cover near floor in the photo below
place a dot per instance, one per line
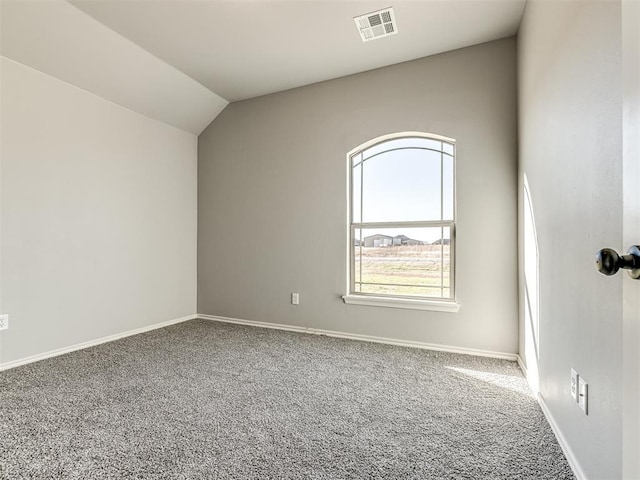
(574, 384)
(4, 322)
(583, 395)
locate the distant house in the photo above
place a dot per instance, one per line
(442, 241)
(379, 240)
(404, 240)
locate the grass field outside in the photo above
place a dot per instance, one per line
(407, 270)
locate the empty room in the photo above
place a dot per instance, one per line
(291, 239)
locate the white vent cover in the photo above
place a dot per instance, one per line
(376, 24)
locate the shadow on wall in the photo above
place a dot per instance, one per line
(531, 290)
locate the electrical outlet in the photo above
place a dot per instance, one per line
(583, 395)
(295, 299)
(574, 384)
(4, 322)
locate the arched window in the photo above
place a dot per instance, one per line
(402, 220)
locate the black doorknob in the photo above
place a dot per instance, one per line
(608, 262)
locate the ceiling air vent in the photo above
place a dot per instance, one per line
(376, 24)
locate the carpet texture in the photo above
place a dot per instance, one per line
(206, 400)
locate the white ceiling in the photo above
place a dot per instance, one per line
(56, 38)
(182, 61)
(245, 48)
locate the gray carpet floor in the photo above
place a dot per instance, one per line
(206, 400)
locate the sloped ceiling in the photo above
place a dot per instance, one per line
(56, 38)
(181, 61)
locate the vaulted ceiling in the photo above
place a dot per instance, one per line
(182, 61)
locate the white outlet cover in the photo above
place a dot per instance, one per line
(295, 298)
(574, 384)
(4, 322)
(583, 392)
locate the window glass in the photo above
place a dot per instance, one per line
(356, 203)
(403, 261)
(402, 185)
(447, 188)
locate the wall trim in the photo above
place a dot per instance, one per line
(562, 441)
(535, 388)
(364, 338)
(397, 302)
(92, 343)
(564, 444)
(523, 367)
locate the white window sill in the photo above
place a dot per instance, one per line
(410, 303)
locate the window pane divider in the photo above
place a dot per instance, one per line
(420, 223)
(364, 159)
(404, 285)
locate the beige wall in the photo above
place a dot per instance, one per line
(272, 197)
(570, 151)
(98, 217)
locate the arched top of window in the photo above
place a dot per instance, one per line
(403, 177)
(400, 141)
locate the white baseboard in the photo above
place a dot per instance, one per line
(564, 444)
(562, 441)
(525, 372)
(91, 343)
(522, 366)
(364, 338)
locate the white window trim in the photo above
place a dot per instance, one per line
(399, 302)
(431, 304)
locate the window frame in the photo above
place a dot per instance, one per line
(443, 304)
